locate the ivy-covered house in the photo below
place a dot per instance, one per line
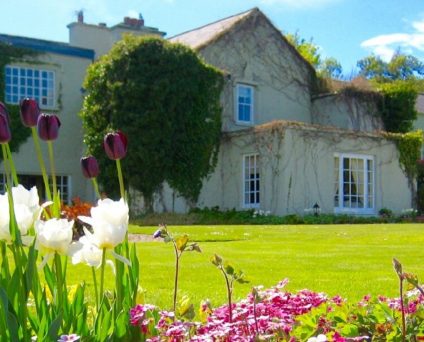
(285, 145)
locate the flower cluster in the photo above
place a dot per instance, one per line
(276, 315)
(273, 316)
(261, 212)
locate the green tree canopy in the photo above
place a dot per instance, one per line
(166, 100)
(328, 67)
(400, 67)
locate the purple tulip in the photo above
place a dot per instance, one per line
(3, 111)
(89, 166)
(115, 145)
(48, 126)
(29, 112)
(5, 134)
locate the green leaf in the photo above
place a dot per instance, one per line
(229, 269)
(350, 330)
(54, 328)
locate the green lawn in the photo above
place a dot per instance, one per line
(350, 260)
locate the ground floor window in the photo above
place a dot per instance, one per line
(251, 181)
(354, 183)
(28, 181)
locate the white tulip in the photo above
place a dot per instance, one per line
(84, 251)
(26, 208)
(109, 221)
(53, 236)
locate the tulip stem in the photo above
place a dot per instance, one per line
(58, 266)
(12, 165)
(41, 162)
(56, 208)
(102, 273)
(96, 293)
(96, 188)
(121, 179)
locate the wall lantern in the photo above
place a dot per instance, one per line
(317, 209)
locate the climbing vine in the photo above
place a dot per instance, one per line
(409, 147)
(9, 53)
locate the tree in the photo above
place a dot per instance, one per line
(400, 67)
(166, 99)
(328, 67)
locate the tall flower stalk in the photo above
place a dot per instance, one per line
(180, 245)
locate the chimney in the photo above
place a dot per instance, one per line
(80, 15)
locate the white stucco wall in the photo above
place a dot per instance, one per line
(346, 112)
(297, 170)
(254, 53)
(68, 148)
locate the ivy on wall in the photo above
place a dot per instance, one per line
(8, 54)
(409, 147)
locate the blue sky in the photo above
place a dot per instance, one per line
(345, 29)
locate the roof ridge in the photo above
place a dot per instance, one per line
(214, 22)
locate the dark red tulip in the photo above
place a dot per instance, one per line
(29, 112)
(48, 126)
(89, 166)
(115, 145)
(3, 111)
(5, 134)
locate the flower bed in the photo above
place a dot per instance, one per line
(276, 315)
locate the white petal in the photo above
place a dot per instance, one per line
(121, 259)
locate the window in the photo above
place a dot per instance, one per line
(63, 187)
(28, 181)
(354, 183)
(2, 183)
(24, 82)
(244, 104)
(251, 181)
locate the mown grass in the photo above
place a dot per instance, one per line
(350, 260)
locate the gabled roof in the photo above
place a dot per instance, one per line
(46, 46)
(202, 36)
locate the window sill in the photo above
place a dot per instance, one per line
(245, 123)
(353, 211)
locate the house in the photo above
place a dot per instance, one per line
(54, 76)
(284, 146)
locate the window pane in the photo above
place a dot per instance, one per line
(251, 180)
(21, 82)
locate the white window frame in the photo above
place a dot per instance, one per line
(26, 85)
(369, 208)
(61, 181)
(246, 181)
(252, 104)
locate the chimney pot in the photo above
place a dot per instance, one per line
(80, 16)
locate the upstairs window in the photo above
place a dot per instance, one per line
(245, 95)
(251, 181)
(354, 183)
(22, 82)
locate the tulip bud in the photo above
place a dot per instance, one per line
(3, 111)
(29, 112)
(115, 145)
(89, 166)
(5, 134)
(48, 126)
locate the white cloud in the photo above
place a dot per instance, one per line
(385, 45)
(299, 3)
